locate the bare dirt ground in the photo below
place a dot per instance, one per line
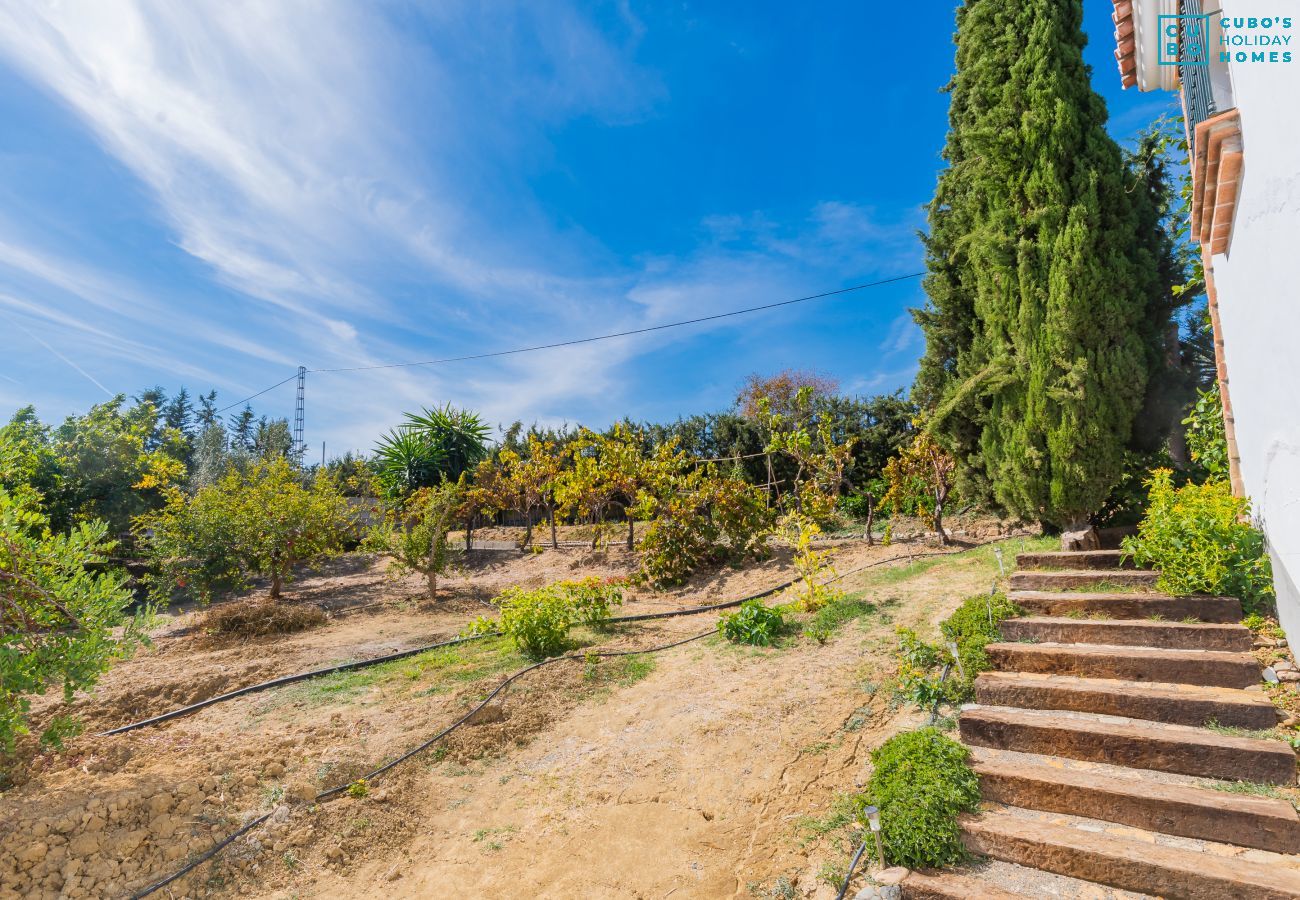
(702, 771)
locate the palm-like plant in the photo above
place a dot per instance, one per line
(459, 433)
(430, 447)
(406, 461)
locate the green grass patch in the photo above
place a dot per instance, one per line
(1266, 734)
(1252, 788)
(831, 617)
(432, 672)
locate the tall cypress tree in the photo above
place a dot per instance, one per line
(1036, 360)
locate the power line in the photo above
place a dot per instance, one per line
(590, 340)
(634, 331)
(258, 394)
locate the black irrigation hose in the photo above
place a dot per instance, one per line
(280, 682)
(331, 793)
(848, 876)
(361, 664)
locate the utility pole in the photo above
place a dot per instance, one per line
(299, 414)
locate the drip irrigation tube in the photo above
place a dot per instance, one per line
(365, 663)
(848, 876)
(330, 794)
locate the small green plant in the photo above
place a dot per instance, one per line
(972, 627)
(921, 782)
(1199, 538)
(537, 621)
(590, 666)
(594, 599)
(1264, 626)
(754, 624)
(1207, 440)
(480, 625)
(358, 789)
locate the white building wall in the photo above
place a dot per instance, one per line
(1258, 282)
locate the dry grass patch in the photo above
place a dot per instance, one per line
(257, 618)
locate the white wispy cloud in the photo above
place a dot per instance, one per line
(351, 198)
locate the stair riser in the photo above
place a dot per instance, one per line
(1164, 753)
(1127, 873)
(1066, 581)
(1167, 816)
(1231, 638)
(1174, 710)
(1090, 559)
(1126, 667)
(1135, 606)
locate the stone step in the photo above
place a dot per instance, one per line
(952, 886)
(1264, 823)
(1129, 742)
(1131, 632)
(1177, 704)
(1216, 668)
(1126, 863)
(1076, 559)
(1130, 605)
(1069, 579)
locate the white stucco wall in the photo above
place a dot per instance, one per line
(1258, 282)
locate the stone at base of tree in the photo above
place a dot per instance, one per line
(1083, 539)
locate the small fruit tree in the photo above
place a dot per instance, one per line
(697, 516)
(806, 438)
(921, 476)
(259, 522)
(605, 469)
(528, 482)
(413, 534)
(59, 617)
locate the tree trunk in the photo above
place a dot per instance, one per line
(1079, 534)
(469, 532)
(433, 584)
(528, 529)
(938, 520)
(871, 520)
(277, 580)
(631, 533)
(555, 541)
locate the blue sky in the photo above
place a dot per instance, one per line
(212, 193)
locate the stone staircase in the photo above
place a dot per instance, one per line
(1090, 739)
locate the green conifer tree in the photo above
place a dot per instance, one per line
(1037, 333)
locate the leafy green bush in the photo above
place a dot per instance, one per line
(537, 621)
(261, 521)
(972, 627)
(753, 624)
(1199, 539)
(61, 619)
(1207, 440)
(921, 781)
(593, 599)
